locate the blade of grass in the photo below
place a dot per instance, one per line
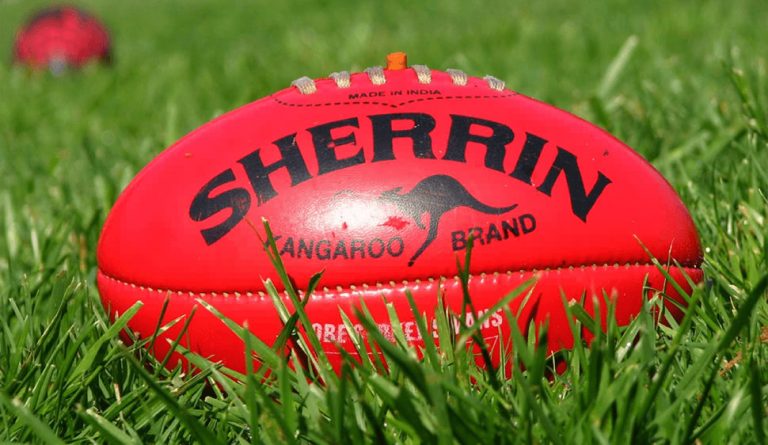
(37, 426)
(86, 362)
(109, 431)
(190, 422)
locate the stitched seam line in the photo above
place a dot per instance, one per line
(372, 102)
(262, 295)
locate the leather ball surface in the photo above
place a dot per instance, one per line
(379, 180)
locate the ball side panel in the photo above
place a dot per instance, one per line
(209, 337)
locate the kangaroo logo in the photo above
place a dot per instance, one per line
(435, 195)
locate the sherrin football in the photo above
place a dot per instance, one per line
(379, 179)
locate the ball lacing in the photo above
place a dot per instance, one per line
(376, 75)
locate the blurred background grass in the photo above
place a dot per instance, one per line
(555, 50)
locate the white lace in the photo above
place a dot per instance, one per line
(342, 79)
(305, 85)
(423, 74)
(458, 77)
(376, 76)
(494, 83)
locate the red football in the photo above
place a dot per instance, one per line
(62, 37)
(379, 179)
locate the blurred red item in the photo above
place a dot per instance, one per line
(62, 37)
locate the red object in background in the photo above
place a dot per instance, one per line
(379, 179)
(62, 37)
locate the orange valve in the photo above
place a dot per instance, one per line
(397, 61)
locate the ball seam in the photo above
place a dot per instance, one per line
(262, 295)
(397, 105)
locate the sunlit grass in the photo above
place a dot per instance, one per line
(684, 83)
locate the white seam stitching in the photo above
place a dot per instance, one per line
(305, 85)
(376, 75)
(458, 77)
(342, 79)
(379, 285)
(423, 74)
(494, 83)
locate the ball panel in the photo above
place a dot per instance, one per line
(209, 337)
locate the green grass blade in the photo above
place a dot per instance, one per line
(758, 407)
(191, 423)
(110, 433)
(86, 362)
(37, 426)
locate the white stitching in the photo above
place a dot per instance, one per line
(342, 79)
(376, 75)
(458, 77)
(423, 74)
(494, 83)
(351, 287)
(305, 85)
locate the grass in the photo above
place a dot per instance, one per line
(683, 82)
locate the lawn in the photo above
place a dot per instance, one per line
(685, 83)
